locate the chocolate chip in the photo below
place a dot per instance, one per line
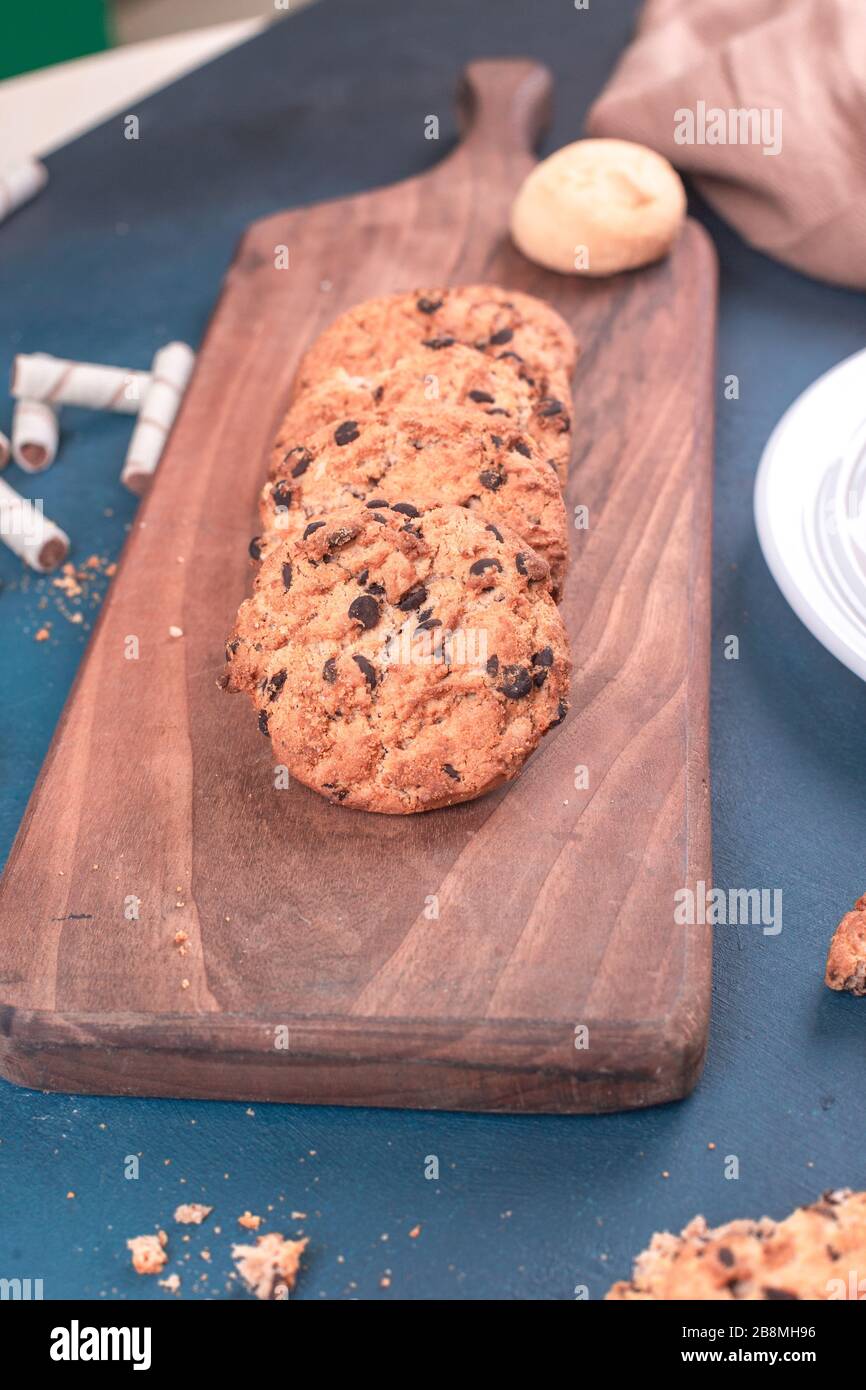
(521, 447)
(406, 508)
(305, 458)
(770, 1292)
(489, 562)
(549, 405)
(726, 1256)
(413, 599)
(543, 658)
(429, 306)
(302, 459)
(377, 516)
(367, 669)
(365, 610)
(263, 722)
(491, 480)
(276, 683)
(492, 665)
(503, 336)
(362, 577)
(481, 397)
(539, 678)
(451, 772)
(379, 502)
(498, 411)
(497, 440)
(520, 562)
(329, 670)
(287, 574)
(378, 394)
(561, 712)
(425, 614)
(282, 493)
(427, 625)
(375, 588)
(437, 343)
(515, 356)
(516, 682)
(256, 547)
(313, 526)
(345, 433)
(231, 647)
(497, 533)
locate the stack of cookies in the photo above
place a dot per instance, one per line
(402, 647)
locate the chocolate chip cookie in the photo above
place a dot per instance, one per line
(503, 324)
(809, 1255)
(846, 958)
(401, 660)
(433, 455)
(455, 375)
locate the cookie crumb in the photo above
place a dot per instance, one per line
(270, 1267)
(171, 1282)
(192, 1213)
(249, 1222)
(148, 1253)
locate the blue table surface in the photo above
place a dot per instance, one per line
(124, 250)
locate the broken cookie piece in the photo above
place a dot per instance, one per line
(846, 958)
(148, 1253)
(270, 1267)
(806, 1256)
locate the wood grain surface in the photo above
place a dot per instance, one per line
(314, 967)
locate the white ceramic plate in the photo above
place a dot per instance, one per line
(810, 509)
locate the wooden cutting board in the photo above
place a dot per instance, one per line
(515, 953)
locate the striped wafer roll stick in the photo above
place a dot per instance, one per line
(5, 450)
(39, 377)
(35, 430)
(29, 533)
(19, 183)
(170, 372)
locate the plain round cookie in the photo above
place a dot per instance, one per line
(402, 663)
(620, 204)
(455, 375)
(438, 454)
(505, 324)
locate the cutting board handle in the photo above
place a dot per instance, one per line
(504, 105)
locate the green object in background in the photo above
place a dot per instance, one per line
(50, 31)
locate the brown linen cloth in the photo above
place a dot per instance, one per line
(805, 205)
